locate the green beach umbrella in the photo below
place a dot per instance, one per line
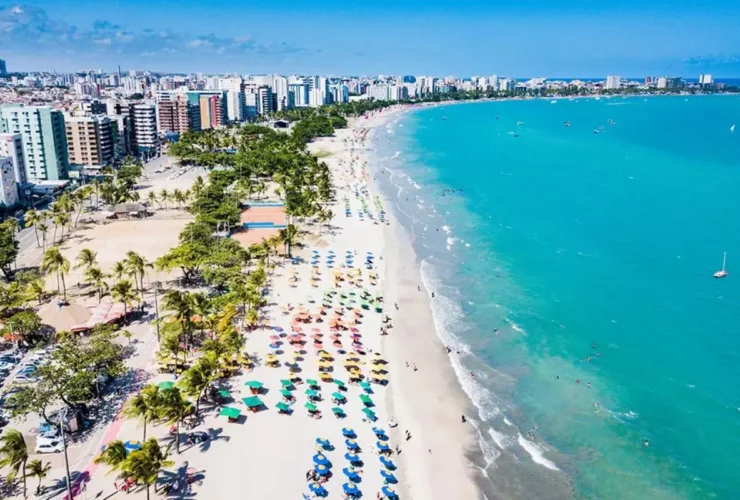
(286, 393)
(166, 385)
(286, 383)
(339, 396)
(312, 382)
(370, 414)
(337, 411)
(253, 402)
(366, 399)
(254, 384)
(312, 393)
(311, 407)
(339, 383)
(229, 412)
(282, 406)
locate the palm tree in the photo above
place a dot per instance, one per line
(164, 195)
(55, 262)
(34, 218)
(152, 198)
(14, 453)
(113, 455)
(95, 277)
(143, 465)
(173, 408)
(136, 266)
(124, 292)
(36, 468)
(119, 269)
(43, 227)
(35, 290)
(62, 220)
(144, 406)
(288, 237)
(196, 379)
(86, 258)
(177, 197)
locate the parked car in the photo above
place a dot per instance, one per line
(49, 446)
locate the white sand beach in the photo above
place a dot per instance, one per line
(266, 454)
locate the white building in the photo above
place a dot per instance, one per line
(235, 100)
(506, 84)
(316, 98)
(300, 94)
(144, 123)
(613, 82)
(662, 82)
(265, 100)
(11, 145)
(280, 89)
(8, 185)
(340, 93)
(706, 80)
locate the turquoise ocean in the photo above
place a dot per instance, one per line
(573, 278)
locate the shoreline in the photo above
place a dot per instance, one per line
(431, 398)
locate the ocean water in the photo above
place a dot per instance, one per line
(572, 273)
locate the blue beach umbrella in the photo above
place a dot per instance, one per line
(389, 477)
(351, 444)
(350, 433)
(321, 470)
(320, 459)
(382, 446)
(352, 457)
(388, 492)
(350, 472)
(317, 488)
(132, 445)
(378, 431)
(350, 489)
(388, 464)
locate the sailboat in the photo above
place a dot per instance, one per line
(723, 272)
(732, 129)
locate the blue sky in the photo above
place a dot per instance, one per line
(440, 37)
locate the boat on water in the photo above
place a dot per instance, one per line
(553, 102)
(723, 272)
(520, 123)
(567, 124)
(596, 131)
(732, 129)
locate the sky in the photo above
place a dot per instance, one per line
(513, 38)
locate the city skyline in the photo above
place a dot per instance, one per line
(469, 38)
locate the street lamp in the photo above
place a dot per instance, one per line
(156, 306)
(63, 418)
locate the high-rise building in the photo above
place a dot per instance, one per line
(315, 98)
(705, 80)
(234, 88)
(280, 89)
(90, 140)
(3, 68)
(11, 145)
(613, 82)
(8, 184)
(300, 94)
(211, 111)
(179, 114)
(340, 93)
(265, 100)
(144, 140)
(44, 139)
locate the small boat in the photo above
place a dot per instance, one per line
(553, 102)
(567, 124)
(520, 123)
(444, 117)
(732, 129)
(723, 272)
(596, 131)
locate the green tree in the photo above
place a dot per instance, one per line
(196, 380)
(43, 228)
(14, 455)
(124, 292)
(34, 218)
(173, 408)
(86, 258)
(114, 455)
(8, 247)
(136, 266)
(143, 465)
(26, 324)
(152, 198)
(96, 278)
(55, 262)
(144, 406)
(164, 195)
(288, 236)
(36, 468)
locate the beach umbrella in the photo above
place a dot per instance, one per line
(322, 470)
(275, 337)
(350, 433)
(338, 396)
(369, 414)
(166, 385)
(132, 445)
(311, 393)
(338, 411)
(388, 492)
(366, 400)
(351, 444)
(310, 407)
(317, 489)
(388, 477)
(350, 488)
(319, 458)
(286, 383)
(286, 393)
(350, 472)
(379, 432)
(387, 463)
(312, 383)
(352, 457)
(275, 345)
(254, 384)
(382, 446)
(277, 329)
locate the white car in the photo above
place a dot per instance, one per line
(50, 435)
(50, 447)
